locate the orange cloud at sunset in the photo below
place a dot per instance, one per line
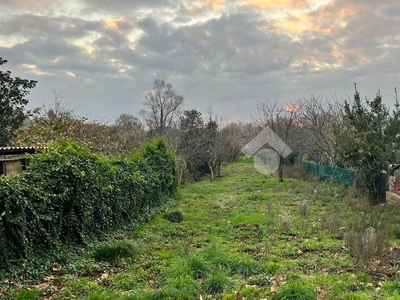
(269, 3)
(117, 23)
(205, 4)
(212, 4)
(325, 20)
(291, 108)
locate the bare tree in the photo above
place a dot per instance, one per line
(318, 119)
(162, 104)
(127, 133)
(235, 137)
(282, 120)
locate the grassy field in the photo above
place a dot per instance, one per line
(244, 236)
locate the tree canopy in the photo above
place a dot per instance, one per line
(13, 93)
(367, 141)
(162, 103)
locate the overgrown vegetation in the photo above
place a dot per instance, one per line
(234, 243)
(13, 100)
(69, 196)
(368, 141)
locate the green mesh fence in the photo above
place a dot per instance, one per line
(334, 173)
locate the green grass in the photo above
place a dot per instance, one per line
(114, 251)
(244, 236)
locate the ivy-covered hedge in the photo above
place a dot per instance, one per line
(68, 196)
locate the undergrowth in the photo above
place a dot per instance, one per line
(244, 236)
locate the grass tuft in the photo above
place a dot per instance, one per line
(296, 290)
(175, 216)
(217, 282)
(114, 251)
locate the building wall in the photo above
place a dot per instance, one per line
(12, 164)
(13, 167)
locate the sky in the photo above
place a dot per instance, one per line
(102, 56)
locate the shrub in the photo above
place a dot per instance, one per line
(284, 220)
(364, 244)
(303, 208)
(368, 235)
(114, 251)
(175, 216)
(297, 172)
(69, 196)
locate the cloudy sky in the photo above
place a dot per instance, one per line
(102, 56)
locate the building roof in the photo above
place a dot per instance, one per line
(20, 150)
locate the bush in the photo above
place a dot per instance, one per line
(69, 196)
(113, 252)
(175, 216)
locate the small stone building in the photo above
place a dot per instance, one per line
(13, 160)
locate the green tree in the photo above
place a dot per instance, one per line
(13, 93)
(192, 147)
(367, 141)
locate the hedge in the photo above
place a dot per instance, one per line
(69, 196)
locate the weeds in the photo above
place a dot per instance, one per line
(243, 236)
(364, 244)
(198, 265)
(297, 172)
(303, 208)
(332, 223)
(261, 280)
(217, 282)
(175, 216)
(269, 207)
(284, 220)
(296, 290)
(113, 252)
(246, 267)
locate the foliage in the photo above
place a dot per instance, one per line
(368, 140)
(296, 290)
(69, 196)
(47, 126)
(13, 93)
(242, 244)
(114, 251)
(175, 216)
(192, 145)
(205, 146)
(217, 282)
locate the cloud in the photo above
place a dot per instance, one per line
(124, 6)
(220, 52)
(31, 4)
(274, 3)
(205, 5)
(29, 25)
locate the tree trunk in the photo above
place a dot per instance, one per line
(381, 197)
(280, 169)
(219, 170)
(211, 173)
